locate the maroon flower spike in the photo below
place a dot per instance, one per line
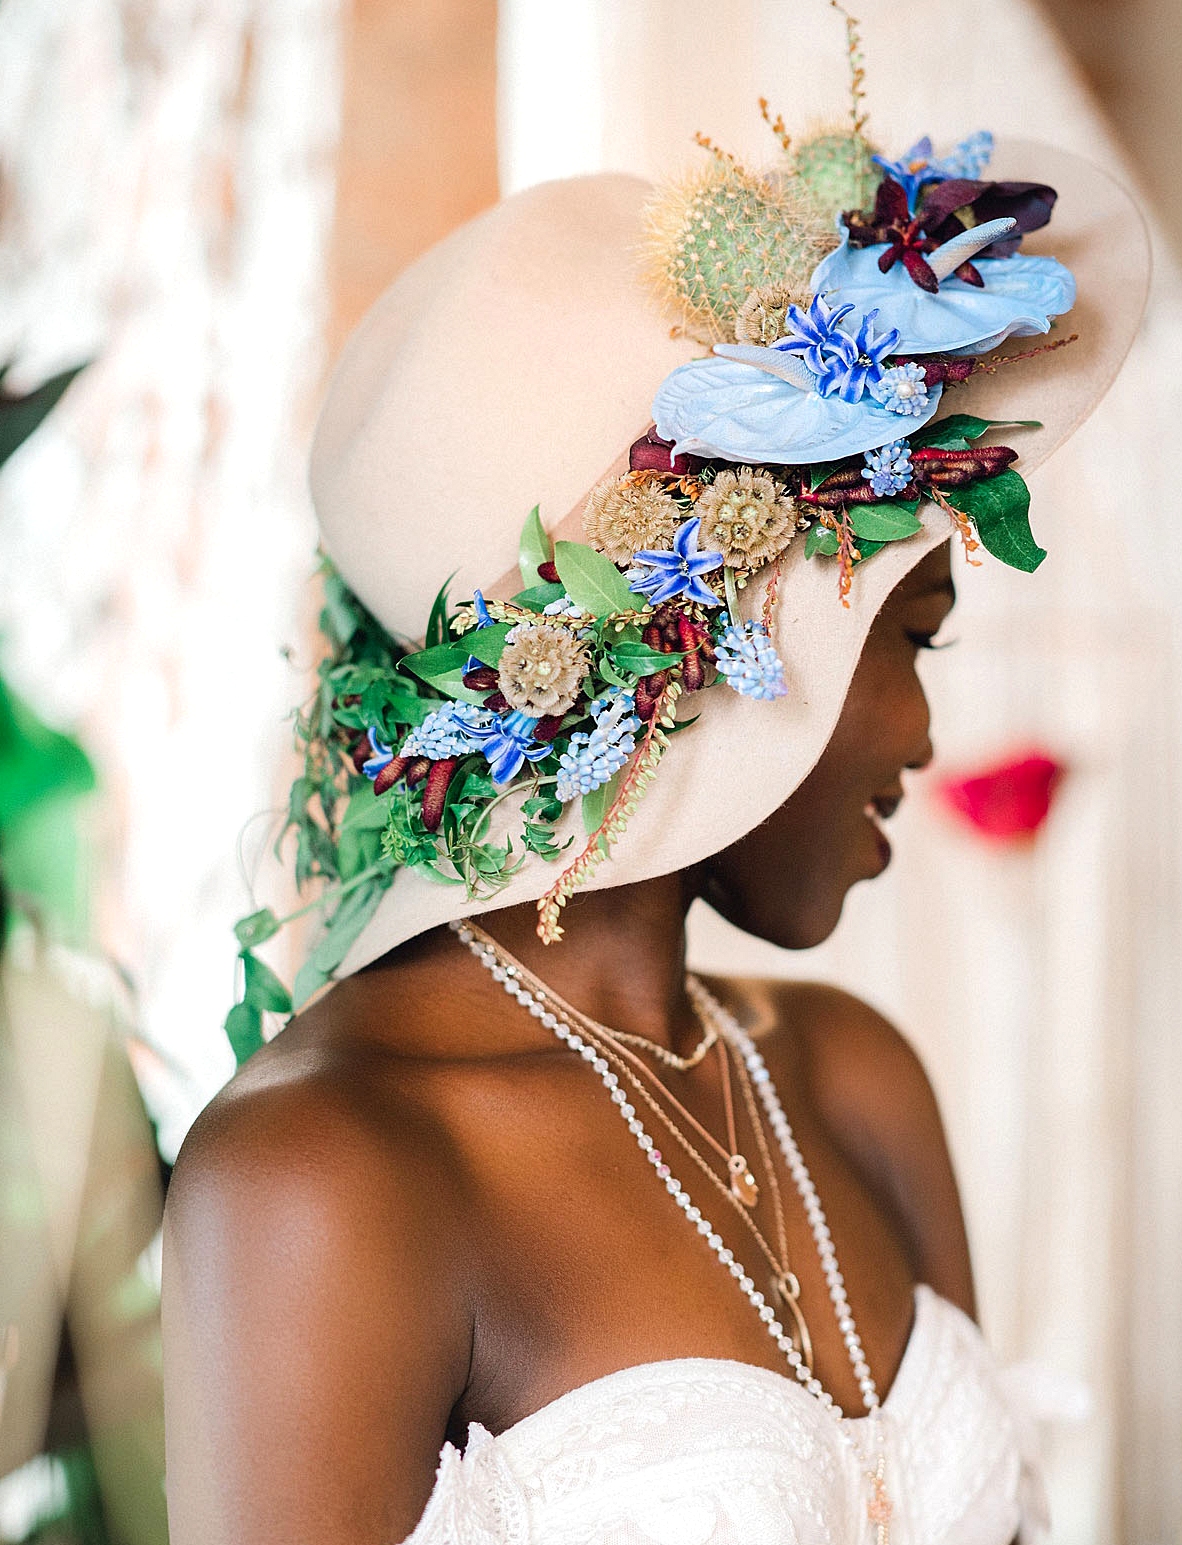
(390, 774)
(648, 694)
(438, 778)
(361, 753)
(497, 702)
(693, 637)
(652, 454)
(846, 487)
(957, 469)
(548, 573)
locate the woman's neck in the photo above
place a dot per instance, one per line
(622, 959)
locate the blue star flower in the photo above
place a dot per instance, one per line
(678, 572)
(853, 364)
(508, 742)
(888, 470)
(382, 756)
(813, 332)
(917, 166)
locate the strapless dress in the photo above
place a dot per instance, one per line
(705, 1451)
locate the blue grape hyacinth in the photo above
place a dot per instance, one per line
(746, 658)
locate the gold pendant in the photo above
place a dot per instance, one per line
(743, 1186)
(788, 1289)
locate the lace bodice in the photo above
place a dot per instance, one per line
(702, 1451)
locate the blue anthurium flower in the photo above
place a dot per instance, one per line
(853, 364)
(508, 742)
(1019, 298)
(382, 756)
(918, 166)
(736, 411)
(662, 575)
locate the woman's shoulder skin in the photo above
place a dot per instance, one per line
(868, 1086)
(314, 1294)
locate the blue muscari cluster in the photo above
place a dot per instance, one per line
(888, 470)
(591, 759)
(751, 666)
(918, 166)
(449, 731)
(902, 389)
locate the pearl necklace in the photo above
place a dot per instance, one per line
(879, 1507)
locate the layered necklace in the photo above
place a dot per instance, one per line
(614, 1056)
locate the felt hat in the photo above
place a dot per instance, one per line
(515, 363)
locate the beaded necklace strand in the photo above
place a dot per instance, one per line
(510, 973)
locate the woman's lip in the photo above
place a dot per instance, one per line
(882, 841)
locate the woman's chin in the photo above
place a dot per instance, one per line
(800, 926)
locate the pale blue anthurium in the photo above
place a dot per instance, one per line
(1020, 298)
(764, 405)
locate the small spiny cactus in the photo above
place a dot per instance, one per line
(724, 232)
(835, 169)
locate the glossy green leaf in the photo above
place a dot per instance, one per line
(597, 803)
(430, 664)
(956, 431)
(593, 581)
(819, 471)
(821, 539)
(888, 521)
(538, 597)
(643, 661)
(999, 508)
(437, 629)
(360, 841)
(535, 548)
(487, 644)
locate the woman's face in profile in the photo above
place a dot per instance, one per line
(787, 880)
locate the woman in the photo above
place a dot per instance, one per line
(667, 1260)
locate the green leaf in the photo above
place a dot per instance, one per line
(264, 990)
(340, 618)
(487, 644)
(641, 660)
(593, 581)
(258, 927)
(361, 832)
(820, 471)
(20, 416)
(534, 549)
(888, 521)
(244, 1031)
(954, 432)
(999, 508)
(430, 664)
(451, 684)
(345, 928)
(437, 622)
(597, 803)
(309, 979)
(538, 597)
(385, 706)
(821, 539)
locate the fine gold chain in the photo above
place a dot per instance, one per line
(786, 1281)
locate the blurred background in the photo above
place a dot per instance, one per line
(197, 203)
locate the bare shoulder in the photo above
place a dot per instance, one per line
(309, 1225)
(868, 1086)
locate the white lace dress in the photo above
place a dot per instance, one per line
(702, 1451)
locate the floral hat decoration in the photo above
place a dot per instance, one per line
(864, 350)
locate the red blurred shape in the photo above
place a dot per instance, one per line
(1006, 803)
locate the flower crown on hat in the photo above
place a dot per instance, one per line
(841, 294)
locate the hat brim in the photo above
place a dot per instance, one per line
(760, 752)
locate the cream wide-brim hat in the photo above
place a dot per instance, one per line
(516, 362)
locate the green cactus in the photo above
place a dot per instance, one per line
(717, 237)
(835, 169)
